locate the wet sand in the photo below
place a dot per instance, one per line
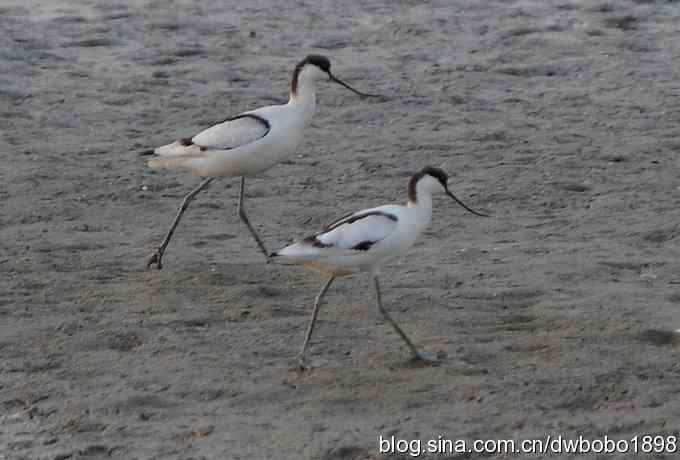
(555, 316)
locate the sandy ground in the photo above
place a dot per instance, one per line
(554, 317)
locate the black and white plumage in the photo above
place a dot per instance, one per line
(366, 239)
(248, 143)
(356, 232)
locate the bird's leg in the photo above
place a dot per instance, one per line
(156, 257)
(244, 218)
(416, 354)
(310, 328)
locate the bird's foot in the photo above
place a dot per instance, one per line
(155, 258)
(300, 365)
(425, 359)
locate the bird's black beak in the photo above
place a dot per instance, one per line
(448, 192)
(340, 82)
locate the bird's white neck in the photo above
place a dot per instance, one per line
(303, 97)
(421, 202)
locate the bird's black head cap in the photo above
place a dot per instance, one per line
(318, 60)
(437, 173)
(322, 62)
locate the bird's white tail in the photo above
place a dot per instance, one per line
(298, 251)
(174, 163)
(176, 156)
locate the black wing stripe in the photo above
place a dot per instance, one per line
(336, 221)
(364, 245)
(314, 242)
(350, 220)
(263, 121)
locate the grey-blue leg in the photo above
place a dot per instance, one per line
(312, 321)
(242, 214)
(156, 257)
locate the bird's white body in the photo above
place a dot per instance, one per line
(248, 143)
(365, 239)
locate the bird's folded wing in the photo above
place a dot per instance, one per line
(233, 132)
(358, 232)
